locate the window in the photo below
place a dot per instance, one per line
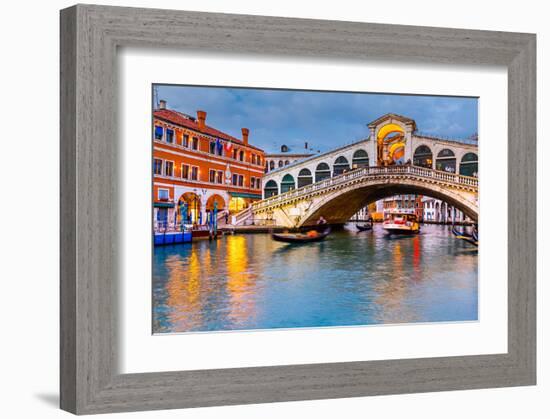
(212, 176)
(185, 140)
(194, 173)
(169, 168)
(159, 131)
(235, 153)
(212, 147)
(170, 136)
(235, 179)
(195, 143)
(219, 176)
(252, 182)
(271, 165)
(253, 158)
(157, 167)
(164, 194)
(185, 171)
(241, 155)
(241, 180)
(280, 163)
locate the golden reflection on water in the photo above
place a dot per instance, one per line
(392, 292)
(184, 290)
(240, 281)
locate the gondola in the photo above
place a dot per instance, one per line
(300, 237)
(365, 227)
(470, 238)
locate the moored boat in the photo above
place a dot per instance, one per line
(470, 238)
(309, 237)
(401, 223)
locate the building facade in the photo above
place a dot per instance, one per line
(199, 170)
(437, 211)
(411, 204)
(285, 157)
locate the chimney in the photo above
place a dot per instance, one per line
(162, 104)
(201, 118)
(245, 132)
(306, 145)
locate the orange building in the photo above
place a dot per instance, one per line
(197, 168)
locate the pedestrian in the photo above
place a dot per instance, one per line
(226, 217)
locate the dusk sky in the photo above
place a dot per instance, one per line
(324, 119)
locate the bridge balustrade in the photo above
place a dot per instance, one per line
(369, 171)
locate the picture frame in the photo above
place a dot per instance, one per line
(90, 36)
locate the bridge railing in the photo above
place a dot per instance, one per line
(369, 171)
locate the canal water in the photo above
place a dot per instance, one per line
(244, 282)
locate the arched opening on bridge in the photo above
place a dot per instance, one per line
(360, 159)
(271, 165)
(270, 189)
(387, 151)
(396, 153)
(446, 161)
(280, 163)
(423, 157)
(287, 184)
(468, 165)
(304, 178)
(189, 207)
(322, 172)
(287, 162)
(341, 165)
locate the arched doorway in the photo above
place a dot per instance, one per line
(423, 157)
(360, 159)
(214, 205)
(189, 208)
(468, 165)
(396, 153)
(446, 161)
(270, 189)
(287, 184)
(322, 171)
(304, 178)
(340, 166)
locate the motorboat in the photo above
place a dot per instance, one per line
(401, 223)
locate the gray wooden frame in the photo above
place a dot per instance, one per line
(90, 36)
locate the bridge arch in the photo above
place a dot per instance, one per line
(423, 156)
(360, 158)
(341, 165)
(304, 177)
(446, 161)
(271, 189)
(468, 164)
(339, 206)
(287, 183)
(322, 171)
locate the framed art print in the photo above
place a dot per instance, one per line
(285, 209)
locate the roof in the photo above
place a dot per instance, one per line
(387, 116)
(186, 121)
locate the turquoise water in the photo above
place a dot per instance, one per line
(252, 282)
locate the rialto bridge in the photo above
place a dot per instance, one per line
(393, 160)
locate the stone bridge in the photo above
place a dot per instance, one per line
(338, 198)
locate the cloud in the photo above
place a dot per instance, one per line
(324, 119)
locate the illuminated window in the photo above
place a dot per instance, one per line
(157, 167)
(185, 171)
(169, 168)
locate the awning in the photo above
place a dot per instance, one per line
(163, 204)
(245, 195)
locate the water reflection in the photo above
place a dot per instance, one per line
(251, 282)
